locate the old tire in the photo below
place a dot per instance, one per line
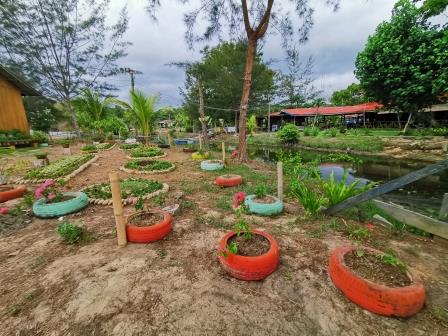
(263, 209)
(11, 193)
(210, 165)
(197, 156)
(48, 210)
(378, 299)
(148, 234)
(228, 180)
(253, 267)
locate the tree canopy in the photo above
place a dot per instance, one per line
(352, 95)
(404, 65)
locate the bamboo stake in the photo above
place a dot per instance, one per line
(200, 142)
(223, 151)
(118, 209)
(280, 180)
(169, 139)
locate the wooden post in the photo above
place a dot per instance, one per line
(280, 180)
(444, 208)
(118, 209)
(200, 142)
(223, 151)
(169, 139)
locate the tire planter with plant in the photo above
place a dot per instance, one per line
(77, 201)
(243, 267)
(377, 298)
(211, 165)
(9, 193)
(229, 180)
(200, 156)
(148, 167)
(151, 232)
(264, 209)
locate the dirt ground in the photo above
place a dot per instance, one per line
(177, 287)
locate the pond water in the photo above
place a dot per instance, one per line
(424, 195)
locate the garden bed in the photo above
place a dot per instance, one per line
(131, 189)
(97, 148)
(64, 169)
(130, 146)
(143, 152)
(148, 166)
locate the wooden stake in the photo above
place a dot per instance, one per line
(280, 180)
(444, 208)
(223, 145)
(200, 142)
(118, 209)
(169, 139)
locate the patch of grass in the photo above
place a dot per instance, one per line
(39, 262)
(159, 199)
(365, 144)
(288, 275)
(163, 254)
(28, 298)
(440, 314)
(224, 203)
(72, 233)
(188, 204)
(319, 232)
(213, 221)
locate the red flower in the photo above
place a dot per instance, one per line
(370, 226)
(4, 211)
(238, 199)
(234, 154)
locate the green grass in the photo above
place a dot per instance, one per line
(359, 143)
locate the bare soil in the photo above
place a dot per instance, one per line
(370, 267)
(255, 246)
(176, 286)
(146, 219)
(265, 200)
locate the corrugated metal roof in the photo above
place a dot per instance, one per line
(25, 88)
(329, 110)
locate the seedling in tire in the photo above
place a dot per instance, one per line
(390, 259)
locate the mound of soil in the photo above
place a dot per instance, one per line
(370, 267)
(255, 246)
(145, 219)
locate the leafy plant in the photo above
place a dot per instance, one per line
(70, 233)
(129, 188)
(39, 136)
(337, 192)
(89, 148)
(251, 124)
(242, 228)
(310, 200)
(289, 134)
(359, 233)
(140, 203)
(311, 131)
(261, 190)
(60, 167)
(143, 151)
(389, 258)
(148, 165)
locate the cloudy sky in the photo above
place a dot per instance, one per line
(334, 42)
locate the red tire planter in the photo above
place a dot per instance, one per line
(378, 299)
(228, 180)
(148, 234)
(12, 193)
(253, 267)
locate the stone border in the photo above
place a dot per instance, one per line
(66, 178)
(147, 157)
(129, 200)
(161, 171)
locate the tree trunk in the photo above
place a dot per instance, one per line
(407, 123)
(250, 56)
(72, 113)
(399, 119)
(202, 115)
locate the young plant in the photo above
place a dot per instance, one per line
(310, 200)
(242, 228)
(337, 192)
(261, 190)
(70, 233)
(139, 203)
(389, 258)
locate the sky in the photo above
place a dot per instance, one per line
(335, 40)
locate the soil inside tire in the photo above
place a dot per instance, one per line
(265, 200)
(255, 246)
(146, 219)
(370, 267)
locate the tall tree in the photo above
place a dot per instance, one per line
(351, 95)
(253, 19)
(61, 45)
(404, 65)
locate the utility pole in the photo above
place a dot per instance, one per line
(131, 72)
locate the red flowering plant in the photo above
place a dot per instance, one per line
(48, 190)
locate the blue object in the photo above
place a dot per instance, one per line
(184, 141)
(43, 209)
(264, 209)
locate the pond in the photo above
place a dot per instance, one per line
(423, 196)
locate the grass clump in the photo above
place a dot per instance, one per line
(72, 233)
(129, 188)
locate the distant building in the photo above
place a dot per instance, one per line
(12, 110)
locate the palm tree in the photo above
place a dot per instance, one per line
(91, 105)
(142, 110)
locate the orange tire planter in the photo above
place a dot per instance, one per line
(148, 234)
(378, 299)
(11, 193)
(228, 180)
(249, 267)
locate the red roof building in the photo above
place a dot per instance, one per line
(328, 110)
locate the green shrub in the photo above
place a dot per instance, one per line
(143, 151)
(39, 136)
(89, 148)
(336, 192)
(333, 132)
(310, 200)
(261, 190)
(70, 233)
(311, 131)
(289, 133)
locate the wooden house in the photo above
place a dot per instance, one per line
(12, 110)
